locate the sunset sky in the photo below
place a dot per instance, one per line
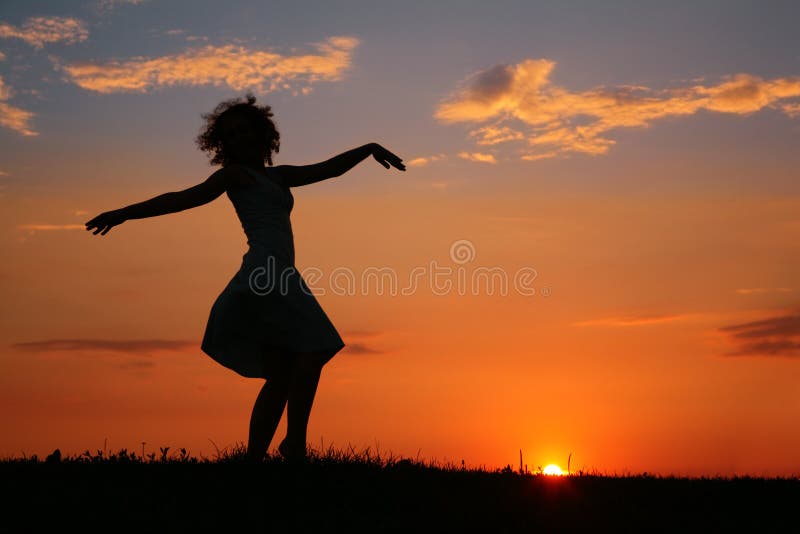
(640, 159)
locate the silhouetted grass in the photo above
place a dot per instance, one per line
(367, 490)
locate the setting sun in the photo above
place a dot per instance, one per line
(553, 470)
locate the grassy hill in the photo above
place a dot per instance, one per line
(349, 491)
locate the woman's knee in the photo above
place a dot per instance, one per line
(281, 378)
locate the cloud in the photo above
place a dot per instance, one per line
(760, 290)
(631, 320)
(543, 155)
(559, 121)
(135, 346)
(5, 91)
(136, 352)
(49, 227)
(2, 56)
(11, 117)
(477, 156)
(424, 160)
(237, 67)
(777, 336)
(178, 32)
(492, 135)
(38, 31)
(793, 110)
(106, 6)
(359, 346)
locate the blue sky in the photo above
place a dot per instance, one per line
(410, 57)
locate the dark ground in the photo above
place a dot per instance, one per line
(186, 496)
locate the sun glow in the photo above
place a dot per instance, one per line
(553, 470)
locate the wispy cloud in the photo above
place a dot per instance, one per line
(424, 160)
(793, 110)
(477, 156)
(136, 354)
(775, 336)
(558, 121)
(50, 227)
(133, 346)
(39, 31)
(237, 67)
(12, 117)
(359, 346)
(631, 320)
(178, 32)
(760, 290)
(492, 135)
(105, 6)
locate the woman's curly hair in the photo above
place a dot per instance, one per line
(210, 138)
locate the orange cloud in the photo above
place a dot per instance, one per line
(38, 31)
(793, 110)
(492, 135)
(11, 117)
(560, 121)
(477, 156)
(235, 66)
(758, 290)
(631, 320)
(422, 161)
(35, 227)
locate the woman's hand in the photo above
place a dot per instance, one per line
(386, 158)
(105, 221)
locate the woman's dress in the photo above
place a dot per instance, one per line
(266, 312)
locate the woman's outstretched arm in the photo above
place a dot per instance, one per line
(172, 202)
(297, 175)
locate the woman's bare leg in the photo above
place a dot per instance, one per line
(267, 412)
(302, 390)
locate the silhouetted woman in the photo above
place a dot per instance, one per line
(265, 323)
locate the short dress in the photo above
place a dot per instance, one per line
(266, 312)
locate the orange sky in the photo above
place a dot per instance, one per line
(660, 223)
(621, 363)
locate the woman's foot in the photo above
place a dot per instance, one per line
(290, 452)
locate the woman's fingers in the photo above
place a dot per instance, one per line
(388, 160)
(395, 160)
(100, 224)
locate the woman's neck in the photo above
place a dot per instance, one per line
(252, 163)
